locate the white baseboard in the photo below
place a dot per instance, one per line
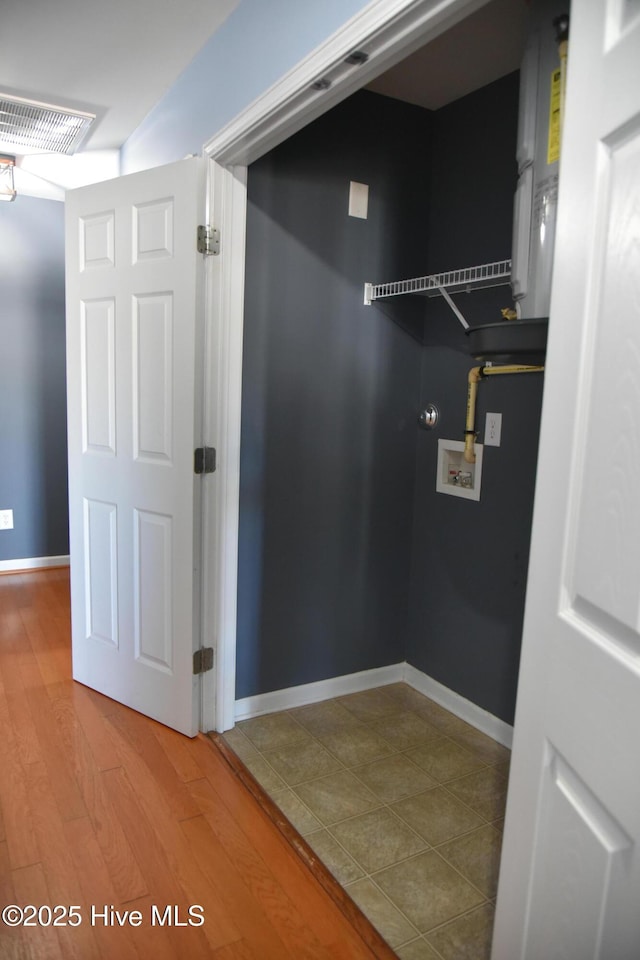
(32, 563)
(480, 719)
(292, 697)
(298, 696)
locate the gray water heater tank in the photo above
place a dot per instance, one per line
(538, 155)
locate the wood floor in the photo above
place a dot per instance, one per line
(102, 808)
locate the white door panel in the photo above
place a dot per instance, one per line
(570, 875)
(133, 342)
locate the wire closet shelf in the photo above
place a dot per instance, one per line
(455, 281)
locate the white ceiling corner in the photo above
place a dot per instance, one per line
(115, 59)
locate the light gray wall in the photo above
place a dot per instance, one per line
(33, 438)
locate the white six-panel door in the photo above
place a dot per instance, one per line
(133, 346)
(570, 876)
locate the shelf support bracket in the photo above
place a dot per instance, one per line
(457, 312)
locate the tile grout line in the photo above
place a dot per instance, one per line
(389, 901)
(423, 934)
(395, 751)
(381, 803)
(440, 926)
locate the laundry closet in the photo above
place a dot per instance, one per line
(349, 558)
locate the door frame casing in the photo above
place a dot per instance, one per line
(388, 31)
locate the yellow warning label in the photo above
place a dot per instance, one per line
(553, 150)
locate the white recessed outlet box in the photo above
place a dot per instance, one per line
(6, 519)
(455, 476)
(358, 199)
(493, 430)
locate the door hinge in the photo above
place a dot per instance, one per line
(204, 460)
(208, 240)
(203, 660)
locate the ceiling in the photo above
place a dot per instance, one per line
(483, 47)
(114, 58)
(117, 58)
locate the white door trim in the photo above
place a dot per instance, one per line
(388, 31)
(223, 403)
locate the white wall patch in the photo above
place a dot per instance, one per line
(358, 199)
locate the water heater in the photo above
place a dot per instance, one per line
(542, 81)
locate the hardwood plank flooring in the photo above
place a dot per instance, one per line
(103, 808)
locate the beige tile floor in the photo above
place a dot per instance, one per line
(402, 801)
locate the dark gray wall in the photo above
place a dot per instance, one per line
(470, 559)
(330, 393)
(348, 558)
(33, 439)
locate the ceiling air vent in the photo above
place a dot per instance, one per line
(41, 126)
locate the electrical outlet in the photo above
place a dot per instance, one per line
(493, 430)
(6, 519)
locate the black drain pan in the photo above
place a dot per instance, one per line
(510, 341)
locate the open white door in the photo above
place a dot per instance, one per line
(570, 876)
(133, 344)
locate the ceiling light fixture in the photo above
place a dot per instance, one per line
(7, 190)
(41, 126)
